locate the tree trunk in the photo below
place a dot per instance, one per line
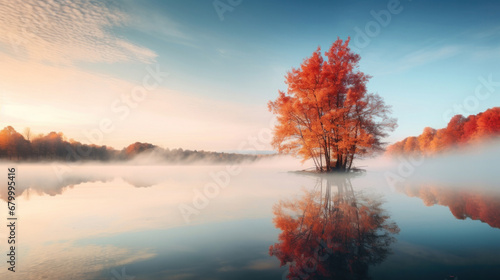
(338, 164)
(327, 161)
(350, 162)
(327, 156)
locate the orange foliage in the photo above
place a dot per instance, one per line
(327, 115)
(13, 144)
(137, 148)
(463, 202)
(460, 131)
(55, 146)
(332, 235)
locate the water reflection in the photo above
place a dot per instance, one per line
(477, 203)
(332, 231)
(109, 221)
(55, 179)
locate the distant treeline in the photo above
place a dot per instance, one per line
(54, 146)
(460, 131)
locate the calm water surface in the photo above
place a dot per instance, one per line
(157, 222)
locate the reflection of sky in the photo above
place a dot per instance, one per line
(433, 244)
(103, 223)
(225, 250)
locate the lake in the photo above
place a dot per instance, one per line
(255, 221)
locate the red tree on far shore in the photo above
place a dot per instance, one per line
(460, 131)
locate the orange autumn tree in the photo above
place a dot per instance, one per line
(326, 114)
(460, 132)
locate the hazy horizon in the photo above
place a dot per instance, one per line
(249, 139)
(213, 75)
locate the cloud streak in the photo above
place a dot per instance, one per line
(65, 32)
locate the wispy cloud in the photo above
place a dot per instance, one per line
(159, 24)
(486, 53)
(425, 56)
(64, 32)
(418, 58)
(493, 32)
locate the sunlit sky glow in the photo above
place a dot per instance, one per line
(66, 67)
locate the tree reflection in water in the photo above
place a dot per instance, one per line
(478, 202)
(331, 232)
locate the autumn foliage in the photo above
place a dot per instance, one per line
(475, 203)
(332, 232)
(461, 131)
(55, 146)
(326, 114)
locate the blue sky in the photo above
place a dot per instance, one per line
(427, 59)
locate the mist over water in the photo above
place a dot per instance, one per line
(477, 164)
(133, 215)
